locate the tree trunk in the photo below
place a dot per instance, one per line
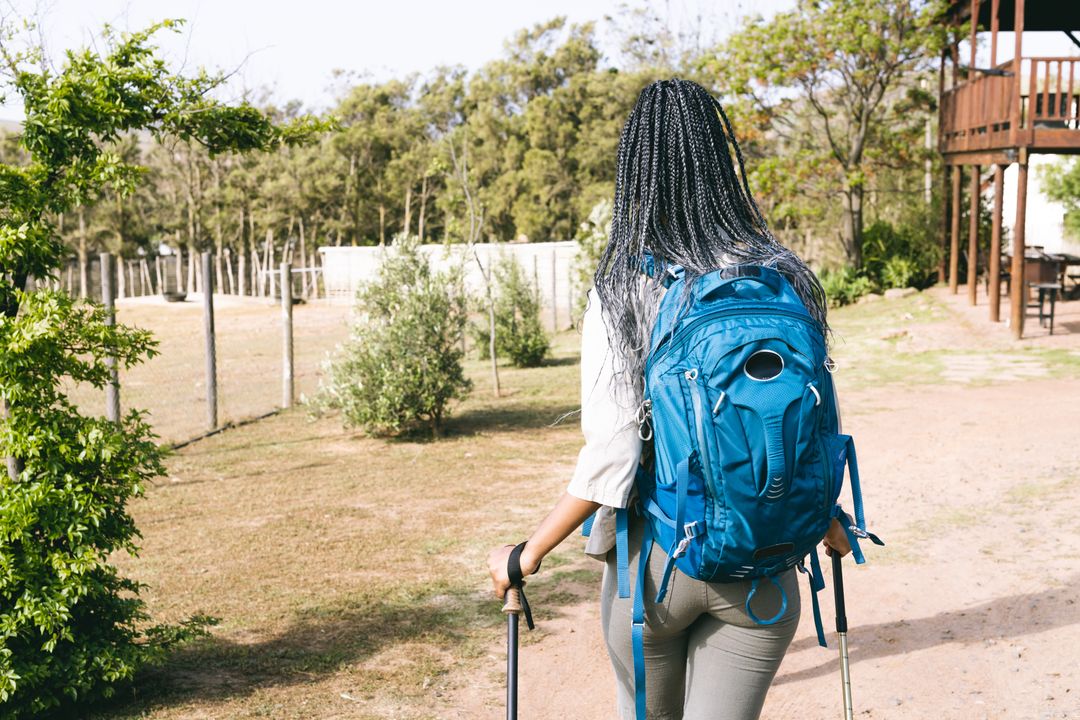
(241, 269)
(303, 258)
(179, 264)
(851, 227)
(382, 225)
(84, 261)
(423, 208)
(408, 210)
(229, 277)
(268, 263)
(193, 255)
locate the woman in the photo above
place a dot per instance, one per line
(680, 198)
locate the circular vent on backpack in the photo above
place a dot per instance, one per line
(763, 365)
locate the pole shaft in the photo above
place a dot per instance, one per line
(845, 674)
(287, 384)
(841, 632)
(211, 341)
(511, 665)
(108, 299)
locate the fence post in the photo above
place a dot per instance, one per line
(108, 299)
(211, 344)
(554, 296)
(287, 393)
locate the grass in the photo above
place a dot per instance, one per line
(917, 340)
(172, 385)
(345, 566)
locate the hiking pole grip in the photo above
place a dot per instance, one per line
(512, 601)
(838, 592)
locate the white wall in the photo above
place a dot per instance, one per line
(346, 268)
(1045, 218)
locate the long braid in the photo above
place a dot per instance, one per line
(682, 195)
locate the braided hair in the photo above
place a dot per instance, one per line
(681, 198)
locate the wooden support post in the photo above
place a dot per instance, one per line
(954, 235)
(1019, 292)
(211, 344)
(994, 264)
(973, 237)
(108, 299)
(946, 207)
(994, 25)
(287, 385)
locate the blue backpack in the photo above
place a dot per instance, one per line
(748, 459)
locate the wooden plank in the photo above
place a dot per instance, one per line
(954, 235)
(973, 237)
(990, 157)
(1058, 110)
(994, 261)
(108, 299)
(994, 23)
(288, 386)
(1018, 294)
(211, 340)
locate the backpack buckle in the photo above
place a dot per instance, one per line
(690, 531)
(644, 412)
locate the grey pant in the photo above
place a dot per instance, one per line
(705, 659)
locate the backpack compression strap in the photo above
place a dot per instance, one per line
(517, 580)
(637, 632)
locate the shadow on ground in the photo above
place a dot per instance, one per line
(322, 641)
(1005, 617)
(511, 416)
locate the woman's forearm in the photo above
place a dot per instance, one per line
(567, 515)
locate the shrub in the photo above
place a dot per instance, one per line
(898, 272)
(519, 334)
(844, 286)
(71, 627)
(911, 247)
(401, 368)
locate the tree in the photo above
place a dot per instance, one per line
(1061, 183)
(838, 63)
(70, 626)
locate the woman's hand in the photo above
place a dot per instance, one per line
(497, 560)
(835, 540)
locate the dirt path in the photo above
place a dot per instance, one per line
(970, 612)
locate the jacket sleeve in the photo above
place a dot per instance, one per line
(608, 461)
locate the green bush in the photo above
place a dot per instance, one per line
(899, 272)
(519, 334)
(401, 368)
(905, 253)
(844, 286)
(71, 627)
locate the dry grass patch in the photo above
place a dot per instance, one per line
(347, 572)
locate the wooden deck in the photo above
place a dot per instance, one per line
(990, 114)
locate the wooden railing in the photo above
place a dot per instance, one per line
(1055, 98)
(985, 114)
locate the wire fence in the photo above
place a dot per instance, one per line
(222, 362)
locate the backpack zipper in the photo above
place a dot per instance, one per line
(673, 341)
(696, 392)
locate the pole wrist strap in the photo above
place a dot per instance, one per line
(517, 581)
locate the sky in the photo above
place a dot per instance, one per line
(295, 47)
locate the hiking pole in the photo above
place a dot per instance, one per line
(512, 608)
(841, 632)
